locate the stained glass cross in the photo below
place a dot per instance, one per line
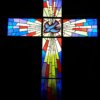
(53, 29)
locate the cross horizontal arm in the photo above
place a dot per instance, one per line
(80, 28)
(24, 27)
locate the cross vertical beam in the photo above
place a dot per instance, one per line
(51, 82)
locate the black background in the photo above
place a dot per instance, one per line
(21, 56)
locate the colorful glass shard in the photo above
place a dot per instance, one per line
(80, 28)
(52, 8)
(51, 57)
(24, 27)
(51, 27)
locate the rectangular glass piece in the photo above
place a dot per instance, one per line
(24, 27)
(52, 27)
(51, 58)
(52, 8)
(80, 28)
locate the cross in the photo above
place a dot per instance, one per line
(53, 27)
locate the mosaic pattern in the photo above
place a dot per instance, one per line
(51, 73)
(51, 89)
(24, 27)
(51, 58)
(80, 27)
(51, 27)
(52, 8)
